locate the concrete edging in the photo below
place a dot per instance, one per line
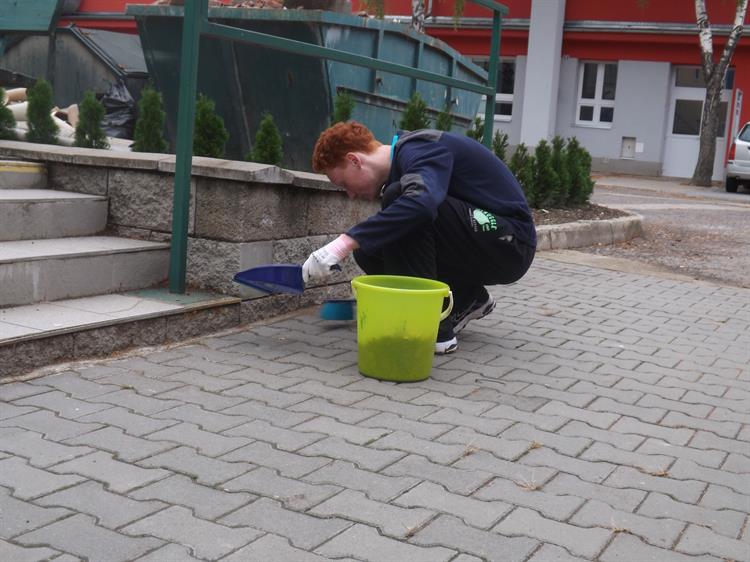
(584, 233)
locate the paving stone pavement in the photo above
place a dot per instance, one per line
(595, 415)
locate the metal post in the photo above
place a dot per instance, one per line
(489, 110)
(191, 25)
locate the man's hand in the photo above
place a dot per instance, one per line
(325, 260)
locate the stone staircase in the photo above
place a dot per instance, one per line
(67, 291)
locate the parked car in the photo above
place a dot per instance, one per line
(738, 167)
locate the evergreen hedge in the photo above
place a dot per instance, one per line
(210, 135)
(414, 116)
(343, 106)
(444, 121)
(149, 126)
(89, 133)
(42, 129)
(267, 148)
(7, 121)
(558, 174)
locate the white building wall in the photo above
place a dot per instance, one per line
(641, 112)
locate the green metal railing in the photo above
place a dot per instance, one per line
(195, 24)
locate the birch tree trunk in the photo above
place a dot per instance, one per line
(417, 15)
(714, 76)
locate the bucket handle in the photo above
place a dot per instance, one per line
(447, 311)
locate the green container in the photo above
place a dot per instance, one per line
(397, 324)
(246, 80)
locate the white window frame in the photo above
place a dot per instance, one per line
(596, 102)
(499, 98)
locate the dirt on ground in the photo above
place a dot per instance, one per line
(576, 213)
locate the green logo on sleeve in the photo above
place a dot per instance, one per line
(485, 220)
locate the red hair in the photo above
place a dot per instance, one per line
(336, 141)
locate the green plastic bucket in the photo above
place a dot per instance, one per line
(397, 325)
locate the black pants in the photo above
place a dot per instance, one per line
(464, 247)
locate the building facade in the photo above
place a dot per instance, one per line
(622, 77)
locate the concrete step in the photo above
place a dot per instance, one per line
(28, 214)
(18, 174)
(60, 268)
(38, 335)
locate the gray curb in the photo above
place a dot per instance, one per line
(580, 234)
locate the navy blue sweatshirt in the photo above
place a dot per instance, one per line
(431, 165)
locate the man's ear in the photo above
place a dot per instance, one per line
(354, 159)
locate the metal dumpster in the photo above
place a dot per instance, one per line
(247, 80)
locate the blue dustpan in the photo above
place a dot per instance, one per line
(275, 278)
(337, 309)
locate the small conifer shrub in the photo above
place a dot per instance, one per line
(343, 106)
(149, 126)
(500, 145)
(210, 136)
(476, 131)
(444, 121)
(7, 121)
(546, 179)
(42, 129)
(89, 133)
(560, 165)
(267, 148)
(522, 165)
(579, 168)
(414, 116)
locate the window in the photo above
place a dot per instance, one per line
(688, 115)
(506, 79)
(692, 77)
(596, 94)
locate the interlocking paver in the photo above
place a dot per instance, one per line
(337, 395)
(132, 424)
(40, 452)
(143, 385)
(79, 535)
(425, 430)
(650, 464)
(500, 447)
(474, 512)
(9, 551)
(208, 421)
(451, 532)
(287, 464)
(398, 407)
(294, 494)
(661, 532)
(394, 521)
(552, 553)
(206, 539)
(258, 411)
(125, 447)
(18, 516)
(303, 531)
(364, 543)
(681, 489)
(210, 383)
(205, 442)
(364, 457)
(542, 421)
(721, 497)
(723, 521)
(205, 470)
(169, 552)
(676, 436)
(206, 400)
(346, 414)
(205, 501)
(277, 398)
(571, 446)
(470, 407)
(592, 471)
(285, 439)
(352, 433)
(516, 471)
(376, 486)
(710, 458)
(457, 479)
(71, 383)
(686, 469)
(626, 548)
(136, 402)
(10, 392)
(554, 506)
(698, 540)
(118, 476)
(433, 450)
(52, 427)
(111, 510)
(479, 423)
(9, 412)
(721, 428)
(28, 482)
(587, 542)
(626, 499)
(272, 547)
(621, 441)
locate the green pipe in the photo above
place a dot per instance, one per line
(489, 108)
(194, 13)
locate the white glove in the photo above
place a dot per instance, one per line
(325, 260)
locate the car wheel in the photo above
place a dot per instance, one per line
(731, 185)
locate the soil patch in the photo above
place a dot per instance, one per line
(586, 212)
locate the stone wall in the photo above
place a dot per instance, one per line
(242, 214)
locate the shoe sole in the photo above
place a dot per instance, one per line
(475, 315)
(444, 348)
